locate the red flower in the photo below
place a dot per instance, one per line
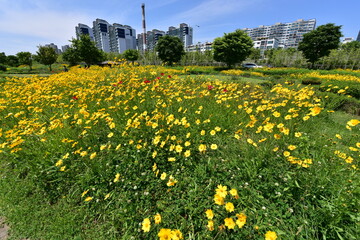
(146, 81)
(158, 78)
(225, 90)
(120, 82)
(75, 98)
(210, 87)
(169, 76)
(162, 74)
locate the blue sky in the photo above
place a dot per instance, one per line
(26, 24)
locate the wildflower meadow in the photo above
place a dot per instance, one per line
(149, 152)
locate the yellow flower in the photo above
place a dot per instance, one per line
(112, 125)
(154, 154)
(172, 181)
(88, 199)
(187, 153)
(229, 223)
(221, 190)
(157, 218)
(229, 207)
(218, 200)
(212, 132)
(117, 177)
(84, 193)
(276, 114)
(102, 147)
(187, 143)
(202, 148)
(163, 176)
(202, 133)
(291, 147)
(176, 235)
(338, 136)
(241, 220)
(107, 196)
(59, 163)
(209, 214)
(298, 134)
(210, 225)
(93, 155)
(233, 192)
(171, 159)
(358, 144)
(83, 153)
(178, 148)
(277, 136)
(269, 235)
(62, 169)
(353, 122)
(315, 111)
(213, 146)
(146, 224)
(286, 153)
(164, 234)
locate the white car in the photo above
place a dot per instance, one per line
(250, 65)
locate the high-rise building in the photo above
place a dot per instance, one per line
(358, 37)
(109, 38)
(289, 35)
(184, 32)
(152, 37)
(122, 37)
(53, 46)
(101, 30)
(81, 29)
(347, 40)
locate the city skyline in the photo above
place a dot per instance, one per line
(26, 24)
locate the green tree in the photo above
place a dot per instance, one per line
(12, 61)
(84, 49)
(350, 46)
(255, 54)
(46, 56)
(71, 56)
(2, 58)
(319, 42)
(131, 55)
(232, 48)
(25, 58)
(170, 49)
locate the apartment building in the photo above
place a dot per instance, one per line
(184, 32)
(53, 46)
(289, 35)
(109, 37)
(266, 43)
(152, 37)
(200, 47)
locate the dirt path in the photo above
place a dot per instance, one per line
(4, 229)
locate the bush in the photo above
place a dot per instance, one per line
(2, 68)
(311, 81)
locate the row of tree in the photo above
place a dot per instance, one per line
(319, 48)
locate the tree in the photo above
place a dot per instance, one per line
(71, 56)
(25, 58)
(255, 54)
(46, 56)
(319, 42)
(351, 46)
(3, 59)
(12, 61)
(84, 49)
(232, 48)
(131, 55)
(170, 49)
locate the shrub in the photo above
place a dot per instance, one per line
(2, 68)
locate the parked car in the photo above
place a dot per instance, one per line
(251, 65)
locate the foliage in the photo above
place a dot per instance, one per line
(319, 42)
(12, 61)
(71, 56)
(131, 55)
(351, 46)
(232, 48)
(198, 58)
(2, 68)
(46, 56)
(170, 49)
(289, 57)
(84, 49)
(138, 152)
(255, 55)
(25, 58)
(3, 59)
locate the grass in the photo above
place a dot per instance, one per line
(89, 154)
